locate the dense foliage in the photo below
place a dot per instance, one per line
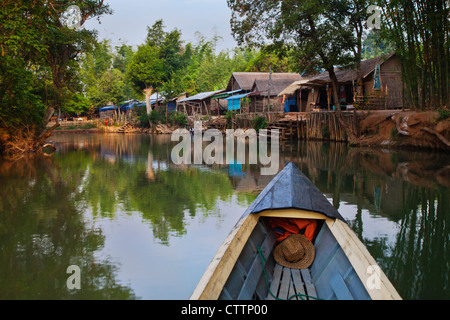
(420, 32)
(39, 61)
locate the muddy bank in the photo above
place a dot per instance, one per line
(94, 130)
(409, 129)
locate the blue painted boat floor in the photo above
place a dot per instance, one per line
(291, 284)
(330, 277)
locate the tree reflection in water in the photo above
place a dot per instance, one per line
(42, 233)
(404, 191)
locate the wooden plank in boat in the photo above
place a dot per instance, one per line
(284, 285)
(288, 283)
(256, 270)
(293, 213)
(340, 288)
(310, 289)
(292, 293)
(275, 281)
(211, 284)
(361, 260)
(298, 283)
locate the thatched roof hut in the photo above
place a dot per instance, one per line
(245, 80)
(273, 86)
(291, 89)
(350, 75)
(377, 85)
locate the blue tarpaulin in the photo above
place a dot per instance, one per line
(289, 104)
(123, 107)
(234, 102)
(108, 108)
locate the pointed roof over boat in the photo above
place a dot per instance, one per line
(291, 189)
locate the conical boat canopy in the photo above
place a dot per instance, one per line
(291, 189)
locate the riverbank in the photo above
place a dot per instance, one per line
(128, 128)
(386, 129)
(409, 129)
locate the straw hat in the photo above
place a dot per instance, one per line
(295, 252)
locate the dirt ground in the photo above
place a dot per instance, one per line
(427, 129)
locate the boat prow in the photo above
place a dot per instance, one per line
(244, 267)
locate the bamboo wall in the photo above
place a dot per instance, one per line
(315, 126)
(325, 126)
(307, 126)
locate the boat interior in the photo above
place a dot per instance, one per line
(256, 275)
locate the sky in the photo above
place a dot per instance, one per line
(130, 18)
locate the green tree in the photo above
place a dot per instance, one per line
(204, 69)
(156, 34)
(263, 60)
(111, 88)
(39, 65)
(77, 105)
(146, 71)
(375, 45)
(170, 45)
(320, 35)
(103, 65)
(64, 48)
(103, 58)
(122, 57)
(157, 62)
(21, 94)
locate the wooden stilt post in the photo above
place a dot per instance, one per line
(206, 108)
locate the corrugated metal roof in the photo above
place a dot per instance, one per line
(108, 108)
(225, 94)
(202, 96)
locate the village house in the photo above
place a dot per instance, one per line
(258, 91)
(128, 108)
(265, 93)
(377, 86)
(199, 104)
(296, 97)
(107, 111)
(244, 81)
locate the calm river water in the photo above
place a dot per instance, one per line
(140, 227)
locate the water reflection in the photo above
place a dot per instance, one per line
(64, 210)
(397, 202)
(42, 232)
(136, 174)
